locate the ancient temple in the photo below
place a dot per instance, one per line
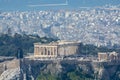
(108, 56)
(55, 49)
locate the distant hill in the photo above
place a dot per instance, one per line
(15, 5)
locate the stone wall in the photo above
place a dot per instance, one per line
(27, 69)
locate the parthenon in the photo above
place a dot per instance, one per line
(55, 49)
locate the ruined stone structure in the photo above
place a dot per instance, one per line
(108, 56)
(102, 56)
(55, 49)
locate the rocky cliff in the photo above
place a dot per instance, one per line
(26, 69)
(10, 69)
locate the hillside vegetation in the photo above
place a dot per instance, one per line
(10, 45)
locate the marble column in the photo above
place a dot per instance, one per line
(47, 50)
(39, 50)
(34, 50)
(44, 51)
(56, 51)
(51, 50)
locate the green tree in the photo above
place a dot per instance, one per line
(73, 76)
(46, 77)
(9, 44)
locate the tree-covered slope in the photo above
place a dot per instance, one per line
(9, 45)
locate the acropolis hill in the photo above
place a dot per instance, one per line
(48, 59)
(29, 69)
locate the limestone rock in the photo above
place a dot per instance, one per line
(54, 68)
(103, 74)
(11, 74)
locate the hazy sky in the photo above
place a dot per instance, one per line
(8, 5)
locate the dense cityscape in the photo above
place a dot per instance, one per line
(99, 26)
